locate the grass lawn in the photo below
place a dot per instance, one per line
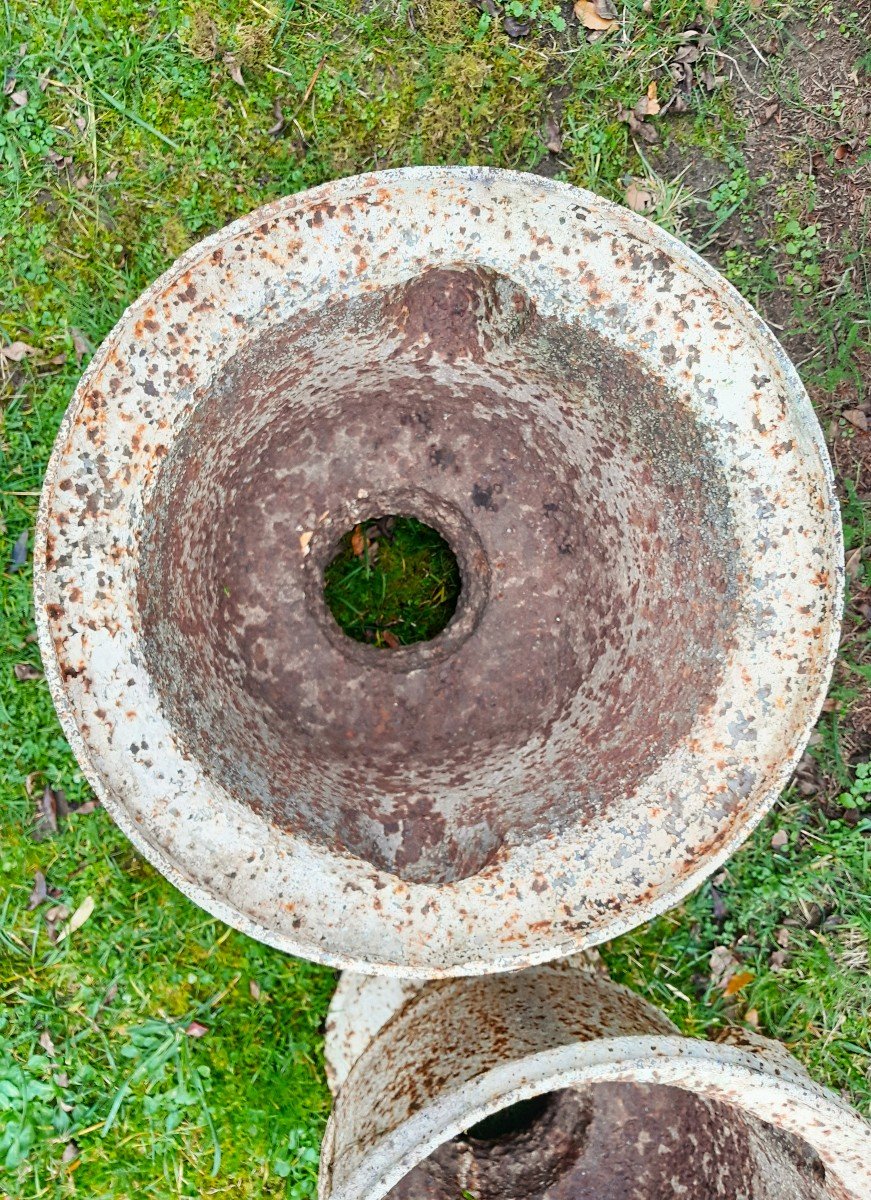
(152, 1051)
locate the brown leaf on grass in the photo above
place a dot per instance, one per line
(47, 1044)
(779, 839)
(53, 918)
(830, 704)
(24, 671)
(514, 28)
(78, 918)
(857, 418)
(690, 52)
(9, 86)
(638, 198)
(233, 69)
(53, 811)
(277, 129)
(553, 138)
(19, 99)
(81, 345)
(648, 106)
(16, 351)
(777, 960)
(89, 806)
(843, 152)
(70, 1154)
(853, 564)
(751, 1017)
(712, 82)
(597, 15)
(358, 541)
(639, 127)
(737, 982)
(254, 989)
(39, 892)
(196, 1029)
(723, 964)
(19, 552)
(390, 640)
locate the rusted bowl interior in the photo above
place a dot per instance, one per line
(592, 527)
(620, 1141)
(637, 494)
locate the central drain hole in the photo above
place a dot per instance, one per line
(507, 1122)
(393, 581)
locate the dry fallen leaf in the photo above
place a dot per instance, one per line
(552, 137)
(70, 1154)
(598, 15)
(233, 69)
(39, 893)
(81, 346)
(777, 960)
(712, 82)
(651, 101)
(46, 1043)
(304, 540)
(24, 671)
(19, 99)
(16, 351)
(9, 86)
(390, 640)
(854, 562)
(19, 551)
(779, 839)
(78, 918)
(82, 810)
(358, 541)
(196, 1029)
(857, 418)
(277, 129)
(737, 982)
(254, 989)
(50, 811)
(723, 964)
(638, 198)
(751, 1016)
(646, 132)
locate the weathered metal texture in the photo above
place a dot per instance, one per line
(363, 1004)
(625, 1108)
(638, 494)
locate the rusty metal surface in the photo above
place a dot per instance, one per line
(638, 494)
(362, 1004)
(627, 1108)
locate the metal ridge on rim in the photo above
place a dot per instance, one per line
(713, 431)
